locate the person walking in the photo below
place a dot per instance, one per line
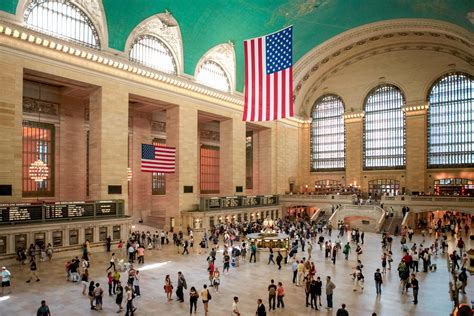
(43, 310)
(216, 279)
(112, 262)
(91, 294)
(181, 286)
(378, 281)
(272, 290)
(110, 279)
(33, 271)
(414, 285)
(270, 255)
(168, 287)
(98, 294)
(130, 308)
(136, 284)
(193, 298)
(342, 311)
(330, 286)
(260, 308)
(119, 297)
(6, 280)
(253, 253)
(280, 295)
(206, 297)
(235, 307)
(294, 268)
(279, 259)
(312, 293)
(115, 280)
(346, 250)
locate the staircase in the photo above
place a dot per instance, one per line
(391, 223)
(322, 214)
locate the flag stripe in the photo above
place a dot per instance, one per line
(158, 159)
(268, 91)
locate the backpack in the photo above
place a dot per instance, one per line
(462, 277)
(209, 297)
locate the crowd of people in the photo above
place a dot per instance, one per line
(227, 248)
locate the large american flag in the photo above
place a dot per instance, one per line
(269, 77)
(158, 158)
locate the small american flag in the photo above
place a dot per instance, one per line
(158, 159)
(269, 77)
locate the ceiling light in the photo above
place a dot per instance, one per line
(31, 39)
(16, 33)
(8, 31)
(23, 36)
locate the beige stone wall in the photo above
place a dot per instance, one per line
(11, 100)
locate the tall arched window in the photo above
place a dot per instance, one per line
(384, 128)
(213, 75)
(327, 134)
(451, 121)
(151, 51)
(61, 19)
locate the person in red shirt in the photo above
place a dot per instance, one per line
(210, 269)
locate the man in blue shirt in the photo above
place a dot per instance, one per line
(5, 274)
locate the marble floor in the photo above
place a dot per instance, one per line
(248, 282)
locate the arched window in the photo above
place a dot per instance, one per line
(451, 121)
(61, 19)
(384, 128)
(327, 134)
(213, 75)
(150, 51)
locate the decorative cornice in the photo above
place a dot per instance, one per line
(411, 110)
(340, 45)
(31, 105)
(42, 40)
(354, 117)
(159, 127)
(209, 135)
(166, 28)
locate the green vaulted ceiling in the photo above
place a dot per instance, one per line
(206, 23)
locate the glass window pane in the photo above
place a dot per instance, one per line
(327, 134)
(384, 128)
(152, 52)
(61, 19)
(451, 121)
(213, 75)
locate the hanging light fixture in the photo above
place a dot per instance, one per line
(129, 174)
(38, 170)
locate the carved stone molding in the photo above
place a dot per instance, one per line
(92, 8)
(339, 46)
(166, 28)
(158, 127)
(224, 55)
(209, 135)
(31, 105)
(322, 77)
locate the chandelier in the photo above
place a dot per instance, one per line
(129, 174)
(38, 171)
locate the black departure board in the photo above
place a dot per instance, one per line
(106, 209)
(20, 213)
(17, 213)
(69, 210)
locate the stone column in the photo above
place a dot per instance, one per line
(416, 147)
(354, 149)
(182, 133)
(108, 142)
(265, 161)
(11, 111)
(232, 156)
(305, 152)
(71, 163)
(140, 190)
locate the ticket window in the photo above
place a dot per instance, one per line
(102, 233)
(211, 222)
(246, 217)
(272, 214)
(20, 241)
(239, 218)
(73, 237)
(3, 244)
(89, 234)
(40, 239)
(57, 239)
(116, 233)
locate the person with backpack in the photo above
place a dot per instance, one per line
(272, 290)
(346, 250)
(206, 297)
(378, 281)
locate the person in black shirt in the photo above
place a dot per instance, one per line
(260, 308)
(33, 270)
(272, 289)
(342, 311)
(378, 281)
(312, 291)
(43, 310)
(415, 287)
